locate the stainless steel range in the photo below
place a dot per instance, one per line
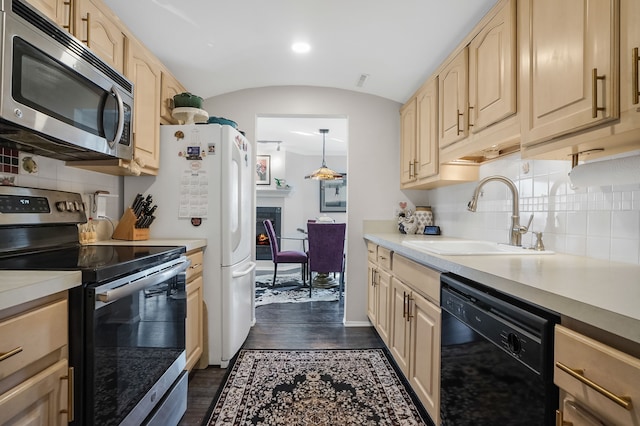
(126, 320)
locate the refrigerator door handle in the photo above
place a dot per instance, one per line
(238, 274)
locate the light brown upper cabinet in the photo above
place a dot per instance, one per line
(569, 66)
(144, 71)
(454, 100)
(478, 91)
(98, 28)
(419, 135)
(492, 70)
(59, 11)
(170, 87)
(408, 142)
(426, 156)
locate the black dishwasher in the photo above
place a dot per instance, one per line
(496, 358)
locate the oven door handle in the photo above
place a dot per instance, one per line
(149, 281)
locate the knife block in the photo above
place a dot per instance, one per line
(126, 229)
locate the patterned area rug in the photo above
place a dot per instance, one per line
(289, 289)
(329, 387)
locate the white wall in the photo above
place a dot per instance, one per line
(372, 165)
(302, 202)
(601, 222)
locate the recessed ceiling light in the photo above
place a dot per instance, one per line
(300, 47)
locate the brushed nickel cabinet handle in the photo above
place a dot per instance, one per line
(88, 21)
(409, 300)
(458, 131)
(69, 26)
(469, 108)
(594, 96)
(634, 76)
(578, 374)
(70, 402)
(410, 172)
(11, 353)
(404, 304)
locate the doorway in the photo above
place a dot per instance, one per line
(292, 147)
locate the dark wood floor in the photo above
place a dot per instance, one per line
(312, 325)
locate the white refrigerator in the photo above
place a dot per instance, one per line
(204, 189)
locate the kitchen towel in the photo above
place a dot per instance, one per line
(618, 171)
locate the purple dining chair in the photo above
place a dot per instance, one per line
(289, 256)
(326, 250)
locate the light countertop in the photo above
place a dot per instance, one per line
(603, 294)
(17, 287)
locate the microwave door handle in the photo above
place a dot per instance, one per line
(150, 281)
(120, 129)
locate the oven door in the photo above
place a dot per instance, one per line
(134, 344)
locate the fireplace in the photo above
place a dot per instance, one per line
(274, 214)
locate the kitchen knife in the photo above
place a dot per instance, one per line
(136, 202)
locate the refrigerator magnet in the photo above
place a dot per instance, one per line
(211, 148)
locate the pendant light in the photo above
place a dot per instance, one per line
(324, 173)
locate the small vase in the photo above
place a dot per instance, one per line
(424, 217)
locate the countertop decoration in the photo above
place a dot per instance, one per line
(407, 222)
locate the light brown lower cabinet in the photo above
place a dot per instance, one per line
(414, 329)
(35, 380)
(598, 384)
(194, 324)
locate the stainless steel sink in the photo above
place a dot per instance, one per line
(470, 248)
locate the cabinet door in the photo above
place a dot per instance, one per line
(144, 72)
(39, 400)
(569, 66)
(454, 102)
(383, 289)
(424, 367)
(492, 70)
(629, 57)
(170, 87)
(97, 28)
(400, 327)
(372, 293)
(194, 326)
(427, 130)
(408, 141)
(56, 10)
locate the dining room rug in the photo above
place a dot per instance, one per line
(289, 289)
(314, 387)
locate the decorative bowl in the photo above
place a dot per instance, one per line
(187, 99)
(223, 121)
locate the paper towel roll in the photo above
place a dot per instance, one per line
(619, 171)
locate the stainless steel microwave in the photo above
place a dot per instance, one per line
(58, 99)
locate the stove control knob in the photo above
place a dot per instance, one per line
(77, 206)
(61, 206)
(70, 206)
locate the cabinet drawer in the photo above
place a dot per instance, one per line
(419, 277)
(197, 264)
(372, 252)
(32, 335)
(607, 368)
(384, 258)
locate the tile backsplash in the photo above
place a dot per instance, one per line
(47, 173)
(600, 222)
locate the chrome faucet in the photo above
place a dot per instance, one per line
(516, 229)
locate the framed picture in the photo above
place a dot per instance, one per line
(263, 169)
(333, 195)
